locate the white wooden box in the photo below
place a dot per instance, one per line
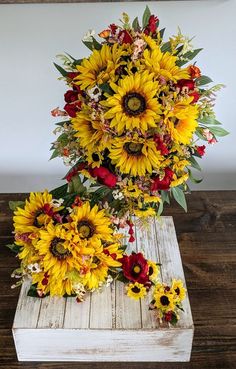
(108, 326)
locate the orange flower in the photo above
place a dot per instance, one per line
(194, 71)
(105, 33)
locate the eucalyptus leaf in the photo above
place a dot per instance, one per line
(165, 196)
(218, 131)
(14, 248)
(198, 133)
(55, 154)
(135, 24)
(160, 208)
(209, 121)
(192, 178)
(146, 16)
(187, 57)
(166, 47)
(203, 80)
(179, 196)
(13, 205)
(59, 192)
(194, 163)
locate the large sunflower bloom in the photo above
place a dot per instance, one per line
(135, 156)
(181, 121)
(134, 104)
(91, 225)
(91, 133)
(36, 213)
(163, 64)
(100, 66)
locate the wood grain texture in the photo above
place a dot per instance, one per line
(207, 240)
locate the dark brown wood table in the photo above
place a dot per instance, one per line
(207, 239)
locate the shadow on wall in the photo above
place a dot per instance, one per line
(14, 183)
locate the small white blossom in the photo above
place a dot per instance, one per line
(79, 290)
(88, 37)
(94, 93)
(56, 203)
(109, 280)
(34, 268)
(118, 195)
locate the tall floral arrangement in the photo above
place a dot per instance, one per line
(134, 112)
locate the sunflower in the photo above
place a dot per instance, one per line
(134, 104)
(162, 64)
(60, 253)
(181, 121)
(135, 156)
(27, 253)
(100, 66)
(49, 284)
(136, 290)
(150, 212)
(177, 181)
(178, 290)
(164, 299)
(153, 270)
(96, 275)
(91, 225)
(91, 133)
(36, 214)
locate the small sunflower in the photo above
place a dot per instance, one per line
(134, 104)
(36, 214)
(100, 66)
(181, 121)
(164, 299)
(135, 156)
(149, 212)
(178, 290)
(96, 275)
(153, 270)
(136, 290)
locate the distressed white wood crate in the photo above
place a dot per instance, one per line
(108, 326)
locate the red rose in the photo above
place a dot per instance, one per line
(71, 96)
(201, 150)
(124, 37)
(185, 83)
(152, 23)
(72, 108)
(110, 180)
(195, 95)
(100, 172)
(135, 268)
(162, 184)
(168, 316)
(160, 145)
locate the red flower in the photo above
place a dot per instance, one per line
(195, 95)
(124, 37)
(135, 268)
(71, 96)
(160, 145)
(72, 109)
(152, 23)
(113, 27)
(194, 71)
(168, 316)
(185, 83)
(72, 75)
(201, 150)
(74, 171)
(162, 184)
(104, 176)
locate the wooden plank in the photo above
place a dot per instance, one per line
(172, 263)
(102, 308)
(77, 314)
(28, 308)
(103, 345)
(51, 313)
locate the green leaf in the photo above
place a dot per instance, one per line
(88, 44)
(59, 192)
(218, 131)
(61, 70)
(33, 291)
(13, 205)
(146, 16)
(174, 319)
(63, 139)
(106, 88)
(160, 208)
(209, 121)
(166, 47)
(179, 196)
(135, 24)
(14, 248)
(194, 163)
(203, 80)
(161, 32)
(61, 124)
(198, 133)
(76, 186)
(192, 178)
(187, 57)
(55, 154)
(165, 196)
(96, 44)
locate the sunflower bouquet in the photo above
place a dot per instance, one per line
(130, 127)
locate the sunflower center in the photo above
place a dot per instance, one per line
(133, 148)
(58, 249)
(177, 290)
(135, 289)
(164, 300)
(150, 271)
(85, 228)
(134, 104)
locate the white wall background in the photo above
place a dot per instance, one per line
(32, 35)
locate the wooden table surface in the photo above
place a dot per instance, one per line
(207, 239)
